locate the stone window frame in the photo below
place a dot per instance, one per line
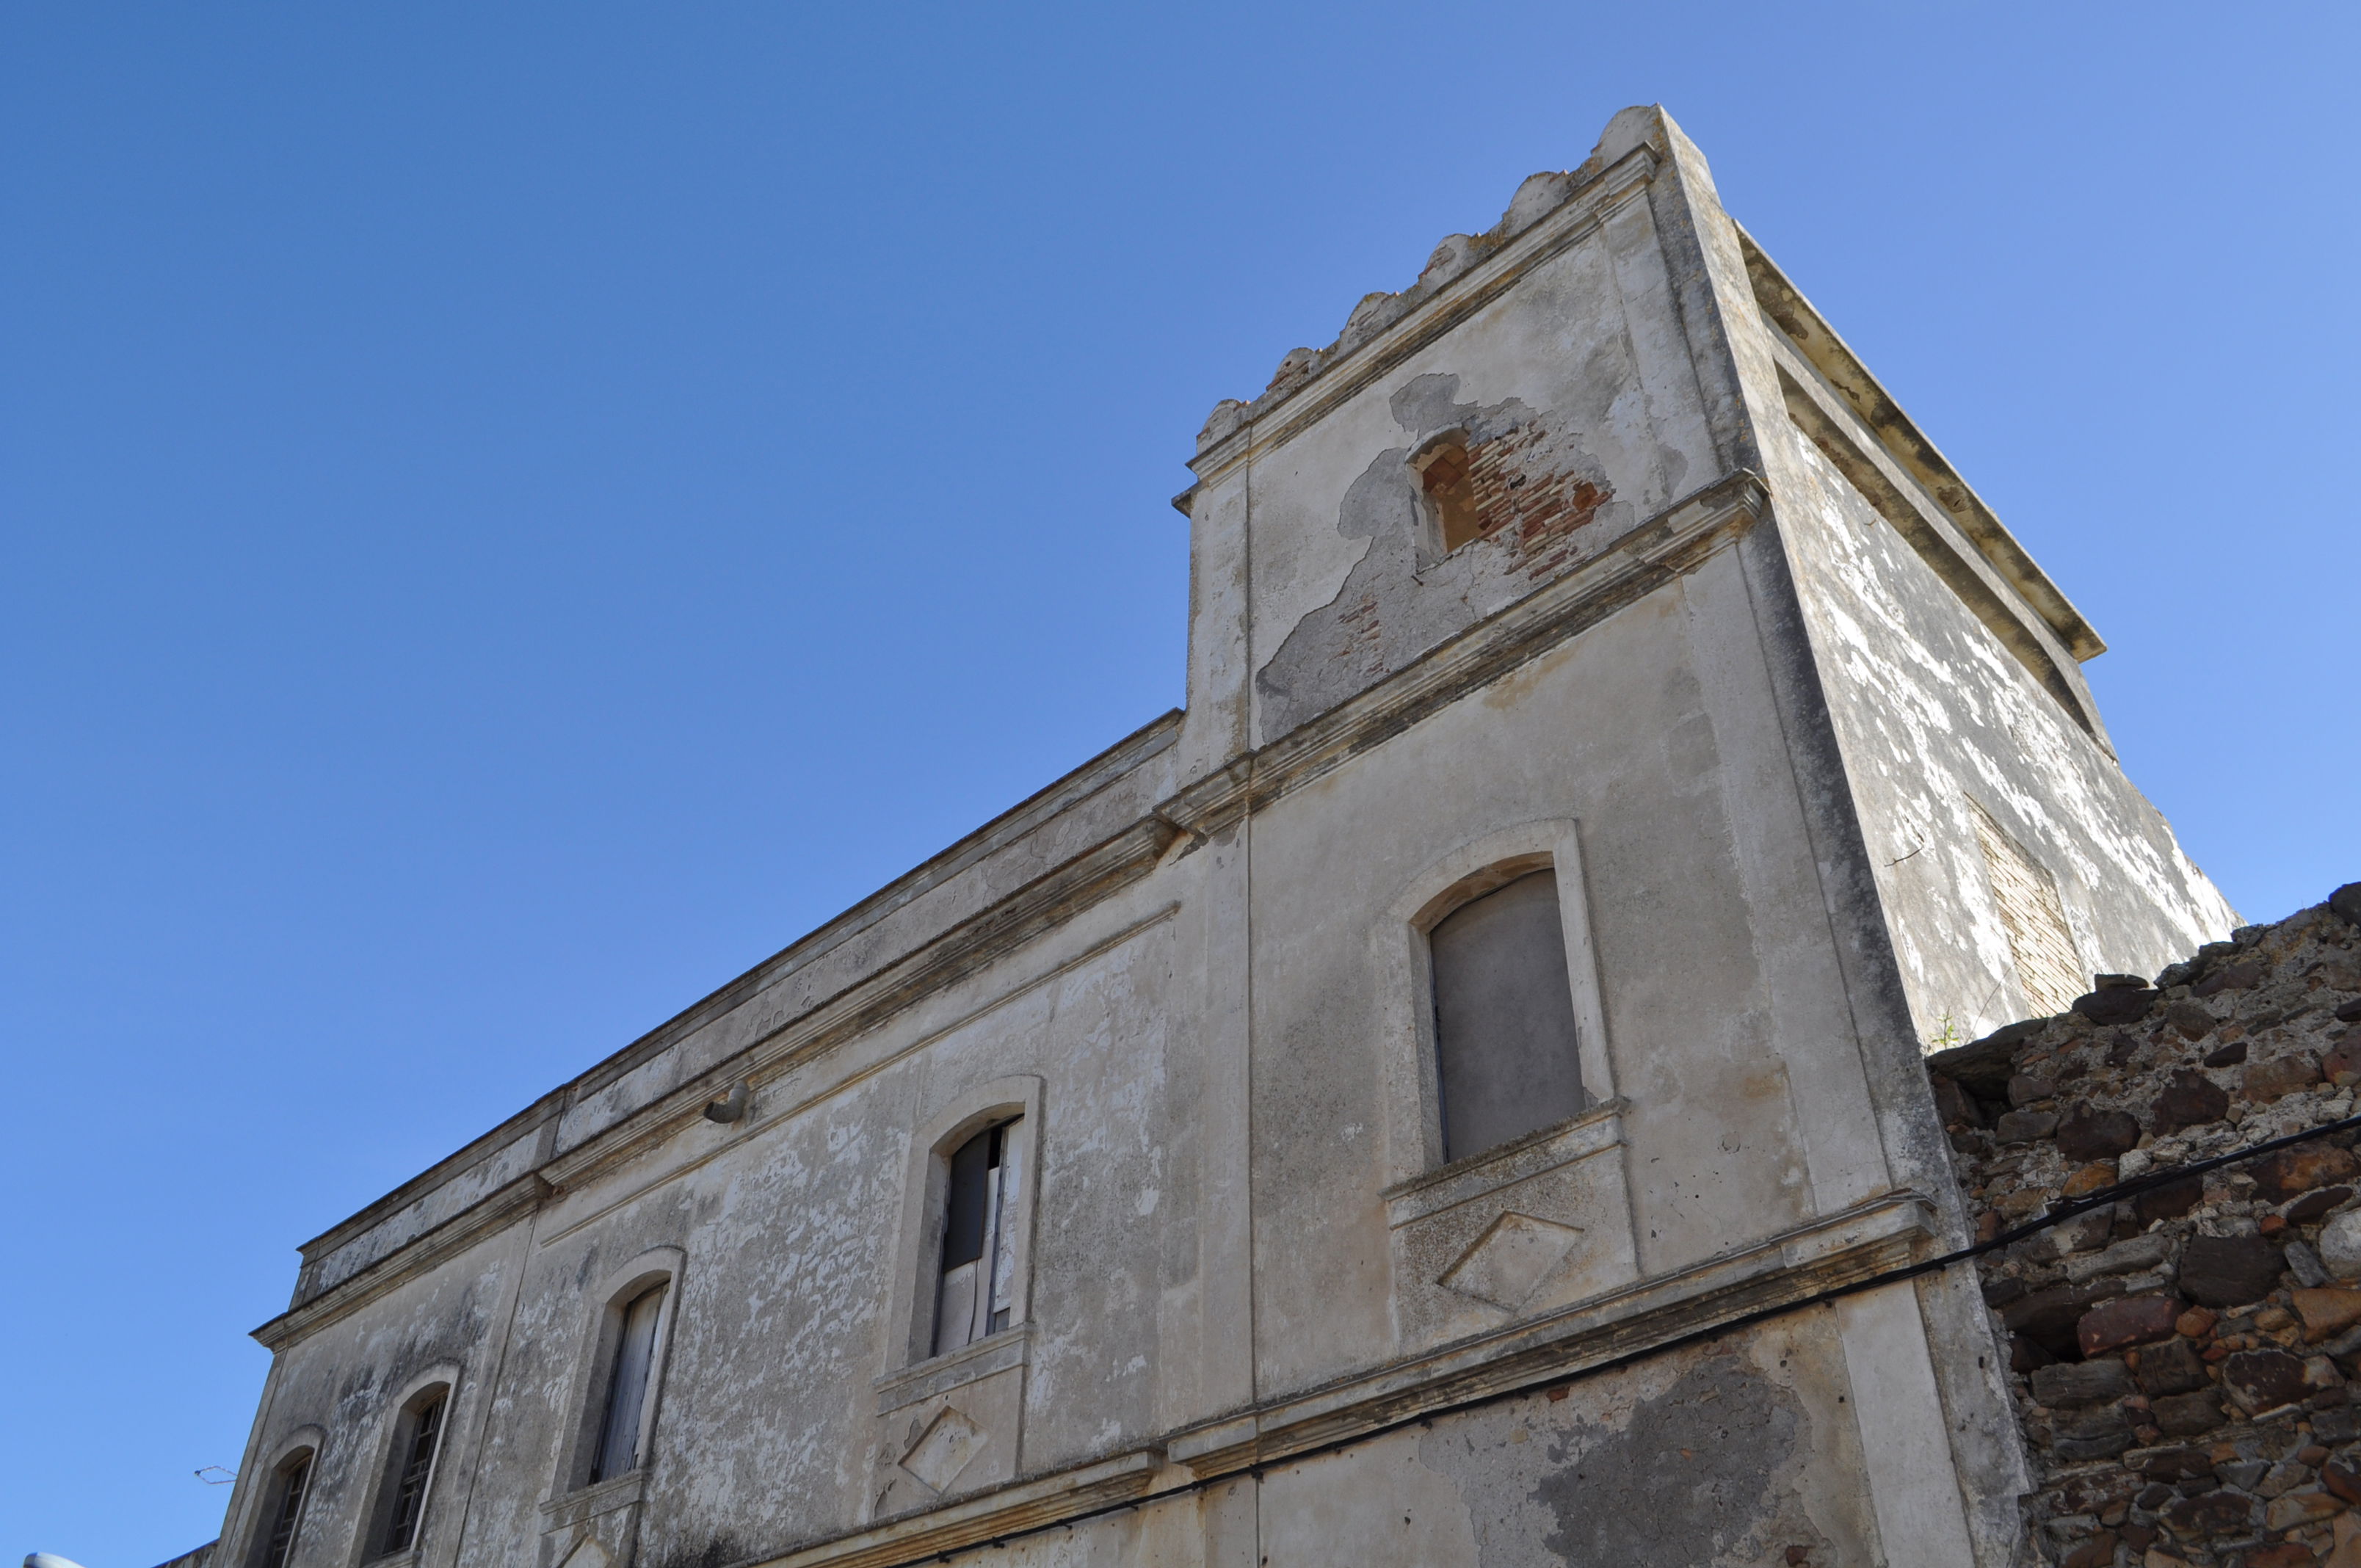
(1414, 1144)
(594, 1366)
(259, 1503)
(384, 1473)
(917, 1262)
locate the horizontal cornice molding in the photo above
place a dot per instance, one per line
(1051, 899)
(1009, 828)
(1933, 535)
(490, 1214)
(1834, 360)
(1786, 1269)
(984, 1519)
(1674, 542)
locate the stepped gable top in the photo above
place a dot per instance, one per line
(1540, 195)
(1785, 308)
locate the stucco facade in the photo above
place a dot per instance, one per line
(1733, 654)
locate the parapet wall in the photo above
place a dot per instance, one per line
(2186, 1364)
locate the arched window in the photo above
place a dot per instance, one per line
(1447, 481)
(975, 1288)
(1504, 1021)
(409, 1473)
(630, 1383)
(619, 1374)
(284, 1510)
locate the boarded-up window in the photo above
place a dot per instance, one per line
(1504, 1018)
(625, 1424)
(420, 1435)
(2047, 967)
(295, 1478)
(1445, 480)
(976, 1281)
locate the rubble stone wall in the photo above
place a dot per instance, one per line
(2186, 1363)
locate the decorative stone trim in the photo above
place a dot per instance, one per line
(981, 1521)
(1536, 1154)
(1311, 383)
(406, 1262)
(587, 1503)
(1803, 326)
(1040, 906)
(943, 1374)
(1792, 1266)
(1989, 594)
(1674, 542)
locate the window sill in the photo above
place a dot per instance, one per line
(598, 1497)
(1463, 1181)
(940, 1374)
(405, 1557)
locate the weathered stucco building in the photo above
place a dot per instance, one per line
(1617, 741)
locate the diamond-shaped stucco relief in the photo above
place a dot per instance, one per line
(943, 1449)
(1510, 1259)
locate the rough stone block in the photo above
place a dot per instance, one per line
(2210, 1513)
(2264, 1379)
(2281, 1076)
(2099, 1551)
(2186, 1415)
(2190, 1099)
(2229, 1271)
(2301, 1168)
(2101, 1438)
(2293, 1508)
(2312, 1205)
(2342, 1065)
(2188, 1018)
(2024, 1126)
(2048, 1318)
(2024, 1090)
(2170, 1200)
(2082, 1382)
(2340, 1245)
(2135, 1255)
(2281, 1554)
(2230, 977)
(2087, 1134)
(2115, 1003)
(1954, 1105)
(2329, 1308)
(2172, 1366)
(2133, 1319)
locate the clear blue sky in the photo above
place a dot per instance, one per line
(513, 513)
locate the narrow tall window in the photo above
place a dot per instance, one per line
(1445, 478)
(420, 1437)
(977, 1279)
(622, 1429)
(1503, 1017)
(295, 1478)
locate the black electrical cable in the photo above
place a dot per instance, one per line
(2056, 1215)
